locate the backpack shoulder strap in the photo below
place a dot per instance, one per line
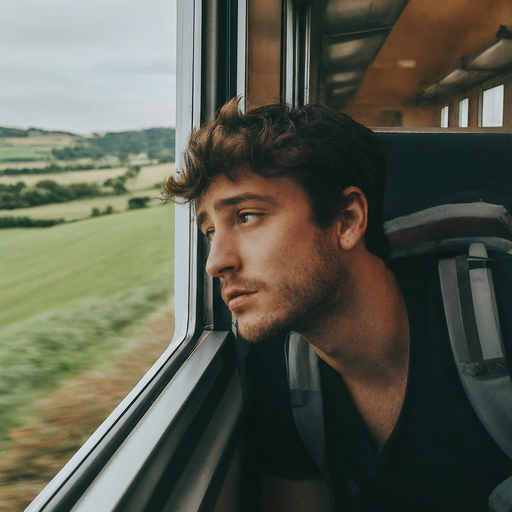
(303, 370)
(470, 305)
(472, 316)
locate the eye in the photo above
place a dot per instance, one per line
(248, 217)
(209, 235)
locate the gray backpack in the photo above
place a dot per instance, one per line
(474, 329)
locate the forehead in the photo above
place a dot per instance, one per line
(249, 187)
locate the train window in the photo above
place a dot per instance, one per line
(176, 440)
(444, 116)
(492, 106)
(87, 135)
(464, 113)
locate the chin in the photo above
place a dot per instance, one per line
(261, 329)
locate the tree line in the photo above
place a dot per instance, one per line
(44, 192)
(30, 132)
(158, 143)
(27, 222)
(51, 169)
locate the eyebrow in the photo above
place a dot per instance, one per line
(232, 201)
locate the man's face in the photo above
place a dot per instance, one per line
(279, 270)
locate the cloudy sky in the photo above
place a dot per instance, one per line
(87, 65)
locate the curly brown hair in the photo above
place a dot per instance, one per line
(322, 150)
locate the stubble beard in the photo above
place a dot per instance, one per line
(318, 288)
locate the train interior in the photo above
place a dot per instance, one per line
(434, 78)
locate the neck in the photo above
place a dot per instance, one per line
(366, 338)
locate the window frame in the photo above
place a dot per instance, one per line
(464, 101)
(482, 107)
(445, 116)
(199, 368)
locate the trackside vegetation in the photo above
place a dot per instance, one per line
(40, 353)
(70, 296)
(45, 269)
(86, 302)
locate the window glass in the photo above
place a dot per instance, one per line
(444, 117)
(492, 106)
(464, 113)
(86, 245)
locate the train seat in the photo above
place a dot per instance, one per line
(448, 189)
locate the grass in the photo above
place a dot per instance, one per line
(63, 420)
(149, 175)
(75, 303)
(56, 267)
(71, 295)
(42, 352)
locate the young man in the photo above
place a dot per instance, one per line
(291, 203)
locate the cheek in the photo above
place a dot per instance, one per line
(279, 255)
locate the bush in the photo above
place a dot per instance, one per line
(79, 151)
(82, 190)
(132, 171)
(44, 192)
(117, 185)
(138, 202)
(96, 212)
(27, 222)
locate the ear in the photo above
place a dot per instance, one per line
(352, 220)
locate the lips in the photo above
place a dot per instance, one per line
(236, 298)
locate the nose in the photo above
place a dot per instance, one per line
(224, 256)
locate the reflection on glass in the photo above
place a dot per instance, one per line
(444, 117)
(464, 113)
(492, 107)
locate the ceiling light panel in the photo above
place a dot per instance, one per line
(345, 77)
(344, 91)
(494, 58)
(461, 78)
(355, 15)
(354, 53)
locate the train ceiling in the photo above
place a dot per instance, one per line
(354, 32)
(392, 52)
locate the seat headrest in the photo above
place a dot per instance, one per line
(446, 190)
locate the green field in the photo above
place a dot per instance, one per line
(21, 165)
(24, 153)
(45, 269)
(72, 295)
(32, 148)
(78, 210)
(144, 185)
(148, 176)
(48, 141)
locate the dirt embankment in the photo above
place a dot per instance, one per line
(67, 417)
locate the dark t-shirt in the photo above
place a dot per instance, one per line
(438, 457)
